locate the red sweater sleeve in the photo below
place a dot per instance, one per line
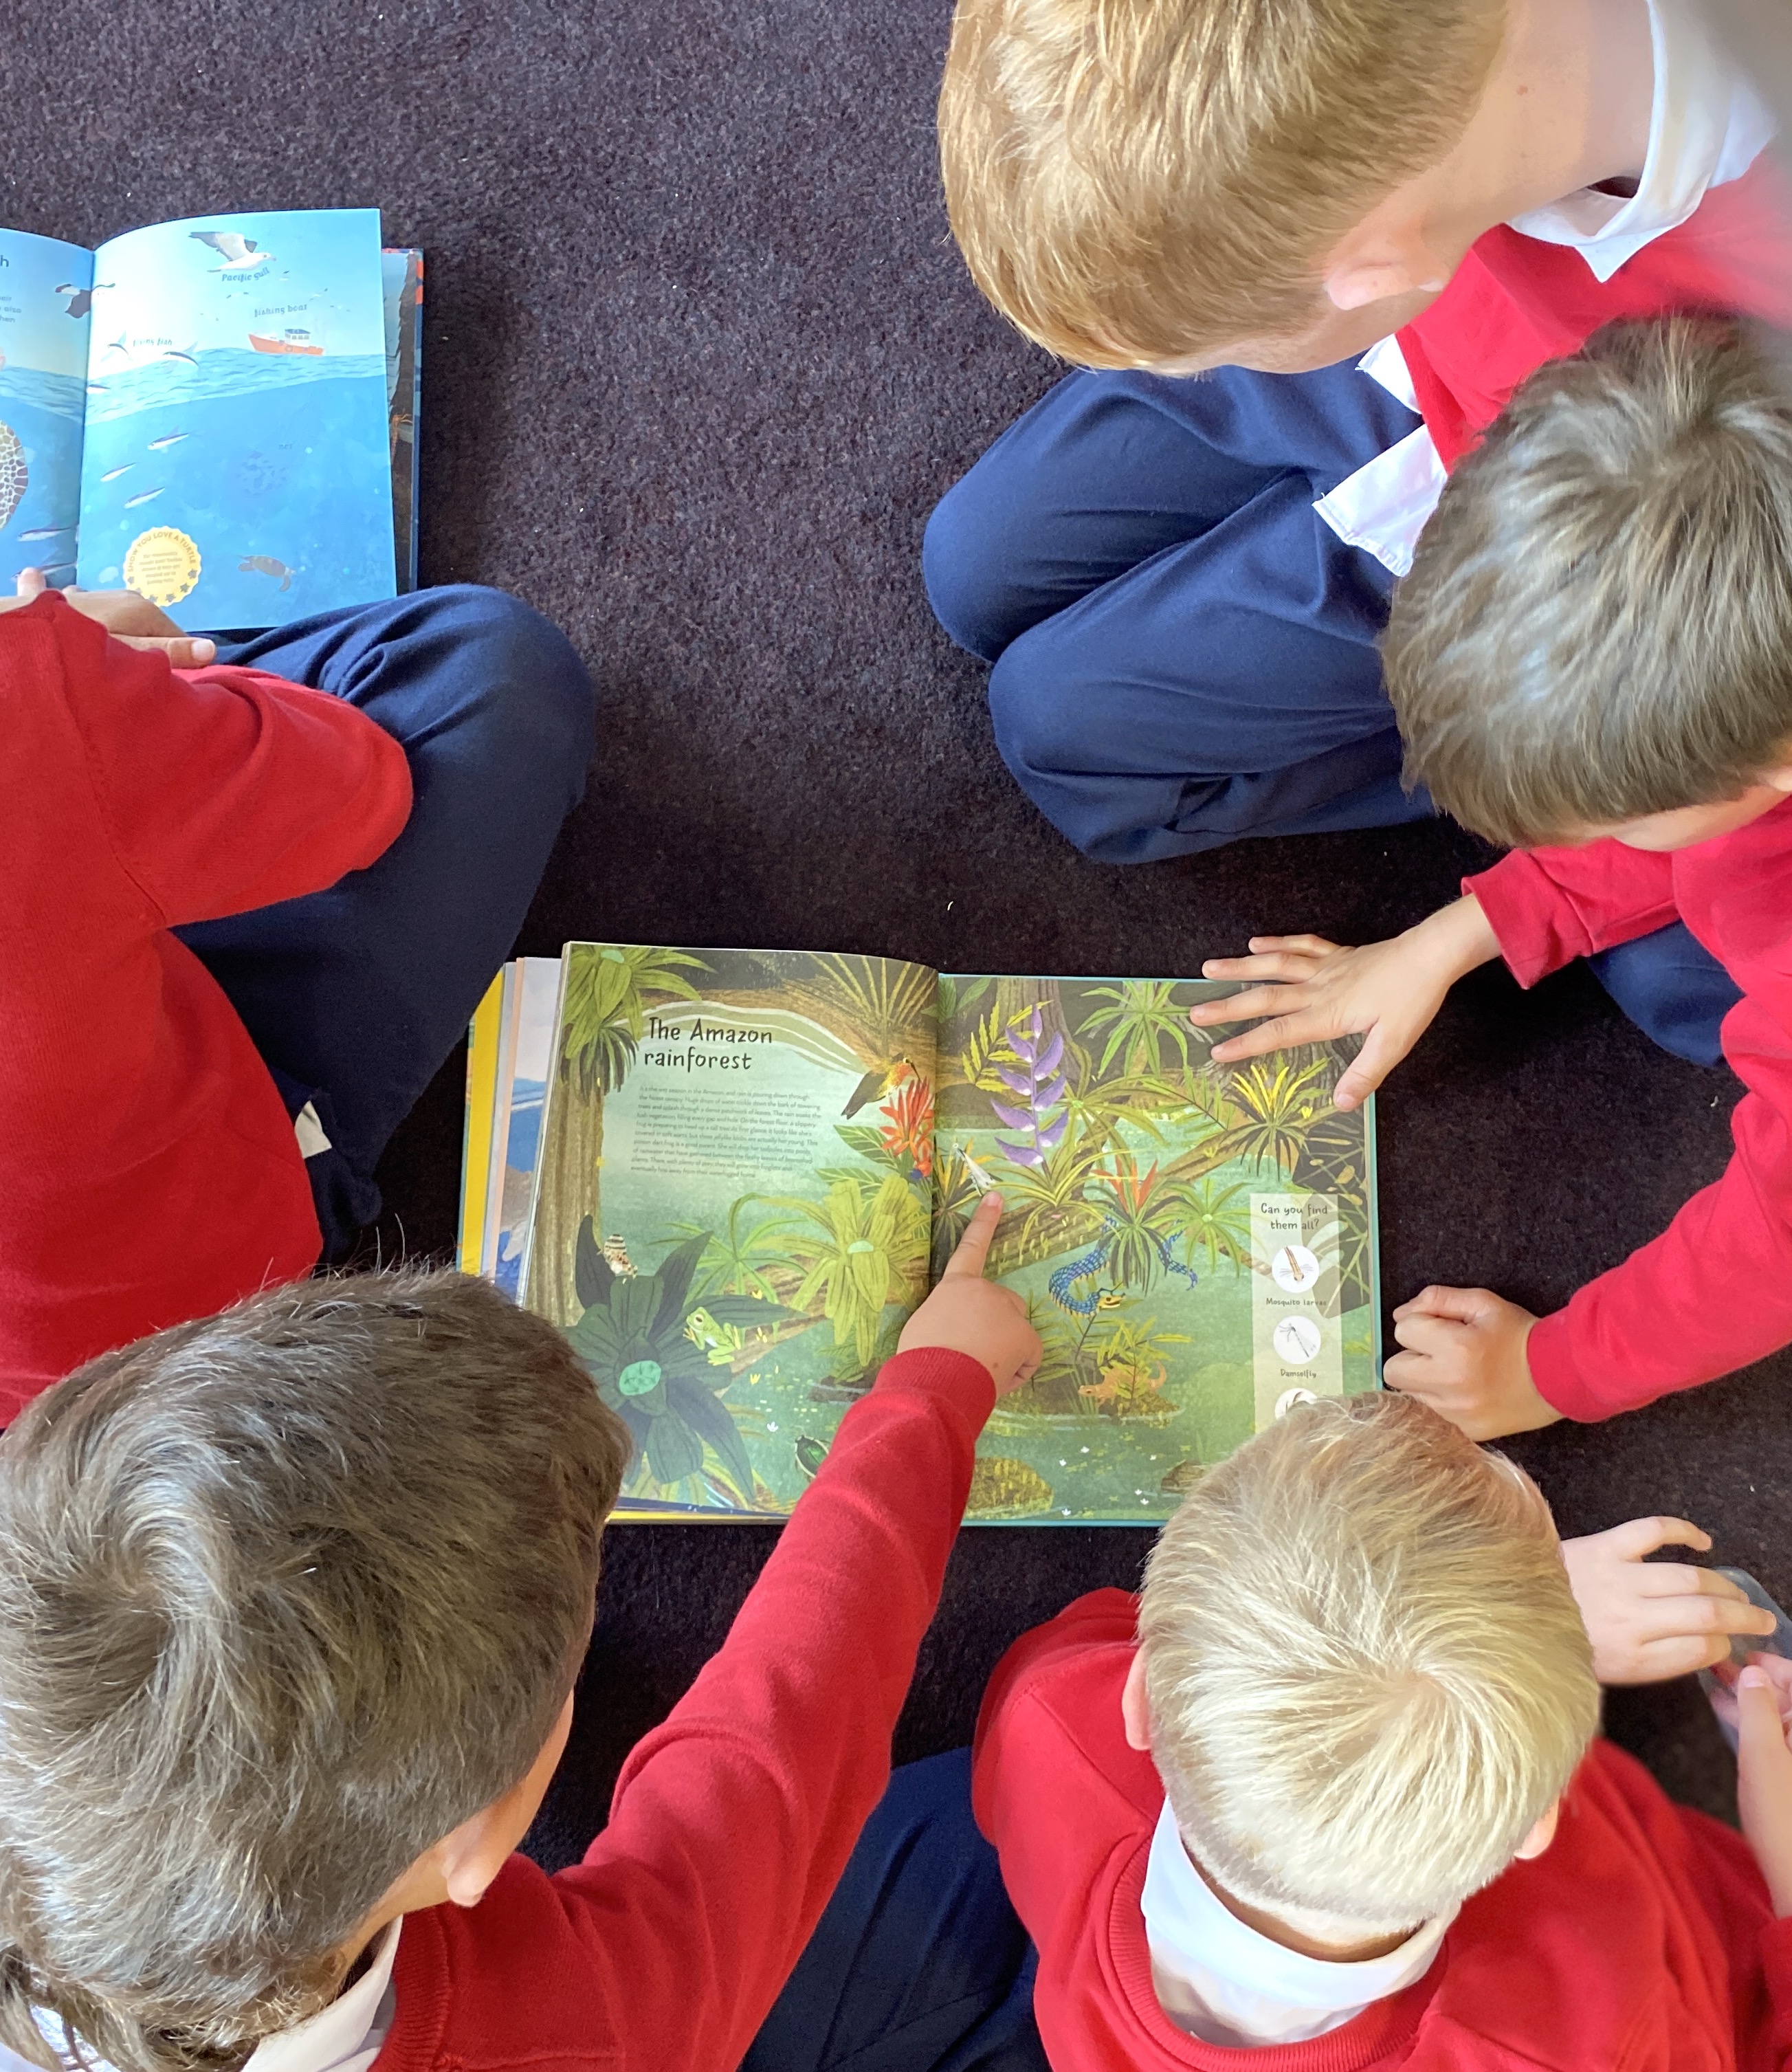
(225, 789)
(1776, 1958)
(1714, 1291)
(1550, 906)
(732, 1821)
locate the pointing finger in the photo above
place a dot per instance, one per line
(973, 1248)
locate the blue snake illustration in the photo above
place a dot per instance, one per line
(1086, 1265)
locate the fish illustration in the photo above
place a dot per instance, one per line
(46, 532)
(167, 439)
(112, 473)
(264, 565)
(188, 356)
(14, 476)
(142, 496)
(57, 569)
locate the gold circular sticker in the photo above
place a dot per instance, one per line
(162, 564)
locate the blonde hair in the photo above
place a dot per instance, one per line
(1366, 1675)
(1139, 182)
(1598, 623)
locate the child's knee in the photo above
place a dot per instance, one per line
(967, 568)
(526, 664)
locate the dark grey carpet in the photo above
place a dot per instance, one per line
(699, 357)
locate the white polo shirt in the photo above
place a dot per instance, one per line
(1219, 1980)
(1707, 126)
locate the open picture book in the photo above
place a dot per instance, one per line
(219, 414)
(730, 1177)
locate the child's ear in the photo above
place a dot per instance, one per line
(1542, 1834)
(1780, 779)
(1134, 1710)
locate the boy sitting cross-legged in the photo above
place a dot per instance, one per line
(291, 1604)
(1329, 1790)
(1593, 659)
(1177, 563)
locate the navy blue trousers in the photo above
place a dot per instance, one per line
(919, 1963)
(1183, 653)
(355, 996)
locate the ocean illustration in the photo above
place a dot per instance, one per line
(200, 411)
(45, 288)
(277, 468)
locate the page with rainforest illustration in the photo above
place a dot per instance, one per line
(1196, 1242)
(751, 1165)
(732, 1204)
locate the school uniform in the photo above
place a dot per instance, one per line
(1180, 584)
(1642, 1940)
(248, 909)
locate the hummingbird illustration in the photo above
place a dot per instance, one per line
(878, 1082)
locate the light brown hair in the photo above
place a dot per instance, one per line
(1366, 1674)
(1598, 623)
(285, 1596)
(1134, 183)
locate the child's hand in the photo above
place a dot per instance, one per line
(969, 1314)
(1651, 1620)
(1763, 1772)
(1465, 1356)
(1389, 992)
(125, 616)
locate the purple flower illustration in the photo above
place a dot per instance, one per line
(1041, 1085)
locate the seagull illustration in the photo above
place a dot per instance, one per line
(240, 255)
(80, 300)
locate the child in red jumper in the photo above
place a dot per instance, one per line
(291, 1604)
(1179, 577)
(250, 900)
(1325, 1792)
(1593, 659)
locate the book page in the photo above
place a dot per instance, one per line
(732, 1202)
(237, 469)
(45, 289)
(537, 1000)
(1196, 1244)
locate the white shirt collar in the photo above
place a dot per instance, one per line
(346, 2036)
(1706, 125)
(1219, 1980)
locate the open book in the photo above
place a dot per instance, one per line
(739, 1171)
(219, 414)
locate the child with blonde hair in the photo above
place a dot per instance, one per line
(1593, 659)
(1300, 252)
(1330, 1786)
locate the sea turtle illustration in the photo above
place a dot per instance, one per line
(12, 474)
(1003, 1488)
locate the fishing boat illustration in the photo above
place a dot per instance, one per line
(290, 340)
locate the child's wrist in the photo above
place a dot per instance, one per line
(1456, 939)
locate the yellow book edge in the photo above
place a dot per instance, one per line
(481, 1091)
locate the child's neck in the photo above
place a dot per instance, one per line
(1361, 1950)
(1567, 106)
